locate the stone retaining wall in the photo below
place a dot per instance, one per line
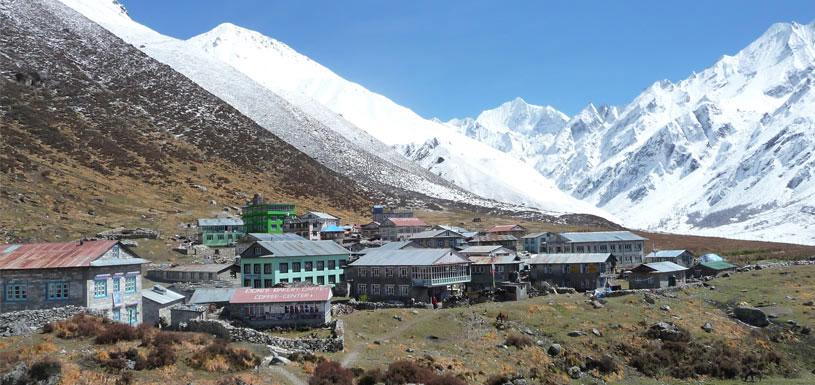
(26, 322)
(222, 329)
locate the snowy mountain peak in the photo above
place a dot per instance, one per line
(519, 116)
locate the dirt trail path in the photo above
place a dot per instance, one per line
(353, 354)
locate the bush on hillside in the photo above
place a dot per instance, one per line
(220, 357)
(331, 373)
(78, 326)
(519, 341)
(113, 333)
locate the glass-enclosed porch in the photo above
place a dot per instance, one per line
(440, 275)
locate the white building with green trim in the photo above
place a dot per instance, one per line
(267, 263)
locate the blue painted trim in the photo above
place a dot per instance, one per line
(95, 295)
(66, 292)
(15, 283)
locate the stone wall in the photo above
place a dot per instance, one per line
(28, 321)
(222, 329)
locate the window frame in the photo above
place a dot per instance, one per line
(131, 285)
(20, 296)
(104, 285)
(63, 290)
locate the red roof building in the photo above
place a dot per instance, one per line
(282, 306)
(507, 229)
(52, 255)
(406, 222)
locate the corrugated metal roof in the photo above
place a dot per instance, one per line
(118, 262)
(660, 267)
(505, 228)
(161, 295)
(275, 237)
(409, 257)
(333, 229)
(202, 267)
(211, 295)
(406, 222)
(569, 258)
(494, 238)
(534, 235)
(302, 248)
(665, 253)
(496, 260)
(486, 249)
(52, 255)
(282, 294)
(321, 215)
(434, 234)
(718, 265)
(220, 222)
(711, 258)
(602, 236)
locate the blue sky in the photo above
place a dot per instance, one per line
(455, 58)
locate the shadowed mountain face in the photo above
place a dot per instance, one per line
(80, 108)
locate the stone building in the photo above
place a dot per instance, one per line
(534, 243)
(400, 229)
(679, 257)
(515, 230)
(656, 275)
(265, 264)
(438, 239)
(311, 224)
(157, 302)
(197, 272)
(586, 271)
(380, 213)
(627, 247)
(220, 232)
(405, 274)
(491, 271)
(506, 240)
(282, 306)
(712, 269)
(104, 276)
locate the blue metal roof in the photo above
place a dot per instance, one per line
(409, 257)
(220, 222)
(302, 248)
(332, 229)
(602, 236)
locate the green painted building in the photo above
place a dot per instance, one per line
(261, 217)
(220, 232)
(267, 263)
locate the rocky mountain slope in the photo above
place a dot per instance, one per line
(727, 151)
(92, 130)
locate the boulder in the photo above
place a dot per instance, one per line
(278, 360)
(596, 304)
(576, 333)
(665, 308)
(809, 303)
(751, 316)
(667, 331)
(707, 327)
(554, 349)
(596, 332)
(575, 372)
(649, 298)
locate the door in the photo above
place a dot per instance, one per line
(672, 281)
(132, 315)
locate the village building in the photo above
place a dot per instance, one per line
(261, 217)
(466, 233)
(712, 269)
(485, 251)
(534, 243)
(408, 274)
(251, 238)
(400, 229)
(506, 240)
(220, 232)
(489, 271)
(196, 272)
(311, 224)
(627, 247)
(515, 230)
(379, 213)
(679, 257)
(439, 239)
(334, 233)
(656, 275)
(292, 307)
(182, 313)
(218, 296)
(157, 302)
(585, 271)
(265, 264)
(103, 276)
(370, 230)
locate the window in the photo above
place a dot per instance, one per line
(363, 271)
(296, 279)
(267, 283)
(117, 284)
(247, 282)
(267, 268)
(132, 315)
(403, 272)
(309, 266)
(332, 278)
(374, 272)
(209, 237)
(389, 272)
(57, 290)
(362, 288)
(117, 314)
(404, 290)
(375, 289)
(284, 267)
(343, 263)
(310, 279)
(320, 265)
(295, 267)
(100, 288)
(342, 277)
(284, 280)
(256, 284)
(247, 268)
(627, 247)
(220, 237)
(321, 280)
(16, 292)
(332, 264)
(499, 268)
(639, 246)
(390, 290)
(547, 269)
(256, 268)
(130, 284)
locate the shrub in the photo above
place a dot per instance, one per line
(116, 332)
(331, 373)
(407, 372)
(44, 370)
(78, 326)
(127, 378)
(519, 341)
(215, 355)
(497, 380)
(371, 377)
(446, 379)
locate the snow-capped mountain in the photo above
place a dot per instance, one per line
(252, 72)
(729, 151)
